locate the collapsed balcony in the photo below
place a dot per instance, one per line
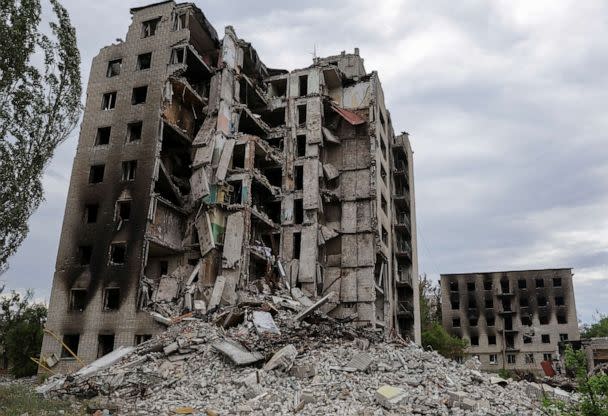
(251, 95)
(167, 227)
(253, 124)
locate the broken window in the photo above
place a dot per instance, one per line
(299, 177)
(521, 284)
(487, 285)
(563, 337)
(123, 210)
(383, 174)
(278, 87)
(128, 170)
(139, 339)
(111, 299)
(472, 321)
(559, 301)
(105, 344)
(545, 338)
(544, 320)
(180, 21)
(238, 156)
(475, 340)
(547, 356)
(540, 283)
(71, 341)
(178, 56)
(149, 27)
(297, 244)
(491, 339)
(118, 253)
(455, 304)
(562, 319)
(472, 303)
(471, 286)
(510, 341)
(511, 358)
(453, 286)
(144, 61)
(525, 320)
(527, 339)
(489, 303)
(506, 305)
(384, 236)
(108, 101)
(139, 95)
(114, 68)
(303, 81)
(85, 253)
(383, 204)
(90, 213)
(103, 136)
(164, 267)
(508, 323)
(298, 209)
(301, 145)
(529, 358)
(490, 321)
(504, 286)
(541, 301)
(383, 147)
(523, 302)
(134, 131)
(456, 323)
(557, 282)
(96, 173)
(493, 359)
(78, 299)
(302, 114)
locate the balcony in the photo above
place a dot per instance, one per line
(404, 278)
(405, 309)
(400, 168)
(401, 198)
(402, 222)
(403, 249)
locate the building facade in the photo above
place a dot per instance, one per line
(199, 167)
(512, 320)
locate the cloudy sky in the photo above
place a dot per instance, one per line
(505, 103)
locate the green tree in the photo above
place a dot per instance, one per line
(40, 92)
(21, 331)
(598, 329)
(433, 333)
(593, 390)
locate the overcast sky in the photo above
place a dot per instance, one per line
(505, 103)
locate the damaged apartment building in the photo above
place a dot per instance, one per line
(513, 320)
(203, 176)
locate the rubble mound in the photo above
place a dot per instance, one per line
(262, 357)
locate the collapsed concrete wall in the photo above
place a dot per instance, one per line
(212, 176)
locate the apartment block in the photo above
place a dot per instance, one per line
(202, 175)
(513, 319)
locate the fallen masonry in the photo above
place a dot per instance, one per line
(315, 366)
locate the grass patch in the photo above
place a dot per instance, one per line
(17, 399)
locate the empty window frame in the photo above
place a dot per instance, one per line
(178, 56)
(475, 340)
(545, 338)
(527, 339)
(149, 27)
(521, 283)
(384, 236)
(103, 136)
(547, 356)
(491, 339)
(303, 81)
(456, 323)
(472, 321)
(180, 21)
(297, 244)
(562, 319)
(299, 177)
(141, 338)
(383, 204)
(557, 282)
(298, 209)
(383, 147)
(540, 283)
(489, 303)
(129, 168)
(144, 61)
(78, 299)
(108, 100)
(123, 210)
(493, 359)
(164, 267)
(134, 131)
(563, 337)
(84, 254)
(544, 320)
(559, 301)
(529, 358)
(471, 286)
(139, 95)
(96, 173)
(111, 299)
(490, 321)
(301, 145)
(526, 320)
(70, 341)
(487, 285)
(511, 358)
(453, 286)
(541, 301)
(523, 302)
(302, 114)
(114, 68)
(90, 213)
(118, 253)
(455, 304)
(105, 344)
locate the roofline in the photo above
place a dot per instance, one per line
(507, 271)
(136, 9)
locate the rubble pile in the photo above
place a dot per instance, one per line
(274, 355)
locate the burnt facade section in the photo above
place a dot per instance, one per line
(202, 175)
(512, 320)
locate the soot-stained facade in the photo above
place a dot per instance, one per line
(202, 175)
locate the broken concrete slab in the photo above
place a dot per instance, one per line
(302, 315)
(264, 324)
(282, 359)
(238, 354)
(360, 362)
(389, 396)
(218, 289)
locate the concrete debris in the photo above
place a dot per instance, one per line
(185, 369)
(305, 313)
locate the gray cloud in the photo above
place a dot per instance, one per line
(504, 102)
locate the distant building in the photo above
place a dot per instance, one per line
(512, 319)
(596, 350)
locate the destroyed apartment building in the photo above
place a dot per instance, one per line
(513, 320)
(201, 175)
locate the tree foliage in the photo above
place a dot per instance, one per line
(433, 333)
(40, 92)
(598, 329)
(593, 389)
(21, 331)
